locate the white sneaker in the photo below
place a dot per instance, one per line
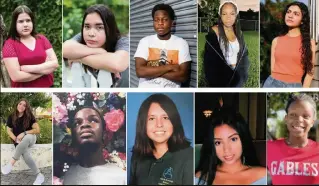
(6, 169)
(39, 180)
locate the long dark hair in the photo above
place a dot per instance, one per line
(13, 33)
(208, 159)
(27, 114)
(112, 33)
(237, 29)
(306, 53)
(143, 145)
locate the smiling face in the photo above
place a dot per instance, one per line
(24, 25)
(300, 118)
(228, 14)
(162, 22)
(158, 127)
(88, 126)
(227, 144)
(94, 31)
(21, 106)
(293, 16)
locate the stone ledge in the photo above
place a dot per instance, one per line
(41, 153)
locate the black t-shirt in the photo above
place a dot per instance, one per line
(174, 168)
(18, 127)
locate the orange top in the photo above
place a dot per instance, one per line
(288, 67)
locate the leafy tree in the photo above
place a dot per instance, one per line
(270, 27)
(48, 21)
(209, 10)
(277, 102)
(73, 11)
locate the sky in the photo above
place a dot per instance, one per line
(244, 5)
(304, 1)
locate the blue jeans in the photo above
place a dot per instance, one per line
(274, 83)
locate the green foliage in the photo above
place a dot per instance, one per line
(270, 27)
(9, 101)
(210, 10)
(45, 136)
(277, 102)
(73, 11)
(251, 39)
(48, 21)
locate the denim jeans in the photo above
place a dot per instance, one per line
(274, 83)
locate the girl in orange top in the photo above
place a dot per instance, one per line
(293, 52)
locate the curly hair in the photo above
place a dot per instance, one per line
(306, 53)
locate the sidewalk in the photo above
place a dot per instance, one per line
(26, 177)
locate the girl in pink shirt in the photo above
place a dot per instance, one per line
(28, 56)
(295, 160)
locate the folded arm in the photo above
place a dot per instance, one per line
(47, 67)
(15, 73)
(75, 50)
(144, 71)
(109, 61)
(181, 75)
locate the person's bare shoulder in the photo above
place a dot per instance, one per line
(215, 28)
(259, 171)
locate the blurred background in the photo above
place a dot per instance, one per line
(252, 106)
(73, 11)
(276, 127)
(48, 21)
(41, 104)
(249, 22)
(270, 21)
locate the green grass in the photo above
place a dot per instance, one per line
(45, 136)
(252, 41)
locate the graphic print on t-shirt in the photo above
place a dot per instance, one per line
(159, 57)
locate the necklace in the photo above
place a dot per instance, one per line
(295, 146)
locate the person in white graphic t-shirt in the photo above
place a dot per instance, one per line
(162, 60)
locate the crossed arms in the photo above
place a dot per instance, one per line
(97, 58)
(26, 73)
(177, 73)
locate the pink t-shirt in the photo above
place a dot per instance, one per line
(293, 166)
(14, 48)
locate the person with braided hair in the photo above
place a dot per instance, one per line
(292, 52)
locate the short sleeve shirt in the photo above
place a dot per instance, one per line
(291, 166)
(18, 128)
(25, 56)
(172, 51)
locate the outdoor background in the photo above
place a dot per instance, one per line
(276, 127)
(48, 21)
(73, 11)
(41, 104)
(270, 26)
(249, 20)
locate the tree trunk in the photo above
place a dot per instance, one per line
(4, 76)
